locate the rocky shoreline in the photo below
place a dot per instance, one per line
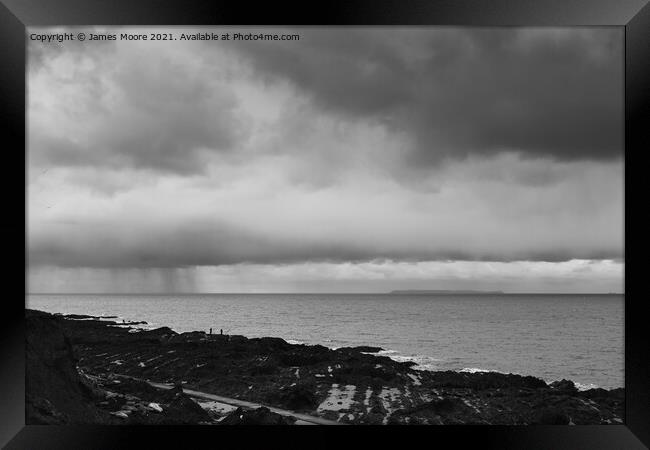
(84, 369)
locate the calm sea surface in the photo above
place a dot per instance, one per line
(579, 337)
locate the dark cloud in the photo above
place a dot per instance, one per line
(544, 92)
(126, 108)
(324, 149)
(224, 245)
(478, 214)
(446, 92)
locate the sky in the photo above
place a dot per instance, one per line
(352, 160)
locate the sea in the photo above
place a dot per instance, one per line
(550, 336)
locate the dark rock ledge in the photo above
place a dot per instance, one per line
(80, 369)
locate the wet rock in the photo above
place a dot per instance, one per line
(597, 393)
(299, 397)
(440, 407)
(362, 348)
(78, 316)
(259, 416)
(161, 332)
(618, 394)
(237, 339)
(114, 402)
(294, 377)
(194, 336)
(183, 410)
(485, 380)
(306, 356)
(271, 343)
(55, 392)
(565, 386)
(264, 367)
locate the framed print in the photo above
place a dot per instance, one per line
(398, 218)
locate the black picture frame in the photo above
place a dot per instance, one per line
(15, 15)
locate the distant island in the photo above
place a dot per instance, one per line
(441, 291)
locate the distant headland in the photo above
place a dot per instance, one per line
(440, 291)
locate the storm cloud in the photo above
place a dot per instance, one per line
(482, 211)
(119, 108)
(541, 92)
(361, 151)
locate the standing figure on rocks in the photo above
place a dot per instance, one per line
(210, 330)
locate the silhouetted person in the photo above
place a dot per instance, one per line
(210, 330)
(222, 331)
